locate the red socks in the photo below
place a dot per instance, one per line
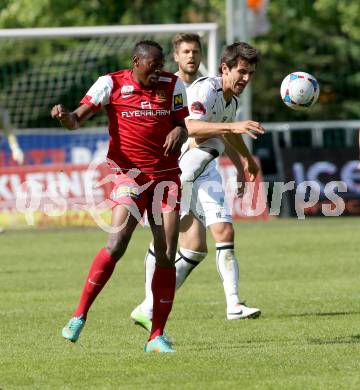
(100, 272)
(163, 289)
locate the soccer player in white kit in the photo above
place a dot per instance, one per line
(213, 103)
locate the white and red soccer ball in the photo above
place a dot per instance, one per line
(299, 90)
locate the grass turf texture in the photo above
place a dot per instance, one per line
(304, 275)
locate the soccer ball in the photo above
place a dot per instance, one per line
(299, 90)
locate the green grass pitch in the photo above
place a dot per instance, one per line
(304, 275)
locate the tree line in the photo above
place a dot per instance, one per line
(321, 37)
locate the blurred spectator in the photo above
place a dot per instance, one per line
(5, 126)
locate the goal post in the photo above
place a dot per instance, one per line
(40, 67)
(206, 30)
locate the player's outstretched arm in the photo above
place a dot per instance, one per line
(71, 120)
(237, 142)
(202, 129)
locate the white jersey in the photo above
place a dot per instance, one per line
(186, 85)
(206, 102)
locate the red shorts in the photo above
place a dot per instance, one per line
(155, 193)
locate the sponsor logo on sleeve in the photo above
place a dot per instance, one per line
(127, 90)
(178, 102)
(160, 95)
(198, 108)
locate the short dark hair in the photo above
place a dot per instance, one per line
(142, 48)
(231, 54)
(185, 37)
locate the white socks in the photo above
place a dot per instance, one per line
(186, 260)
(228, 269)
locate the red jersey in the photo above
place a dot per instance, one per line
(139, 118)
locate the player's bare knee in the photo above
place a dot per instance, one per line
(227, 234)
(223, 232)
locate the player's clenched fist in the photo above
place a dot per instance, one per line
(66, 118)
(251, 128)
(59, 111)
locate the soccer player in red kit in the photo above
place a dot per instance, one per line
(146, 108)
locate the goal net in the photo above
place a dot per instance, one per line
(44, 66)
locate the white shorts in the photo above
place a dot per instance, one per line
(208, 202)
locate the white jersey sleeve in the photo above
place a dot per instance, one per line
(99, 93)
(201, 99)
(179, 96)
